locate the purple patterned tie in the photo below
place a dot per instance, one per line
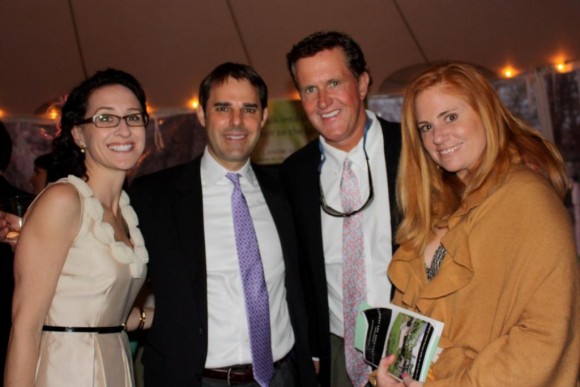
(255, 290)
(353, 274)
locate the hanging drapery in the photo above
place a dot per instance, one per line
(536, 85)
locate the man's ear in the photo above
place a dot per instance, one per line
(363, 85)
(264, 117)
(200, 115)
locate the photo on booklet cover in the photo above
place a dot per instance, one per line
(408, 341)
(389, 329)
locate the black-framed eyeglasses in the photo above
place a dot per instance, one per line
(107, 120)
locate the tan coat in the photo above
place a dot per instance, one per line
(507, 290)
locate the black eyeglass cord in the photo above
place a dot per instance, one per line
(339, 214)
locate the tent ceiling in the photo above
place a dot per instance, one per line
(171, 45)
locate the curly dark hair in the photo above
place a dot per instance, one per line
(327, 40)
(67, 154)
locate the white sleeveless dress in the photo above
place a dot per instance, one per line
(96, 288)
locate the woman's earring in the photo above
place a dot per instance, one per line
(82, 148)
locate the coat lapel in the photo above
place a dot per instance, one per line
(392, 146)
(311, 207)
(188, 214)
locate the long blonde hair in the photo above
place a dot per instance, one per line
(426, 195)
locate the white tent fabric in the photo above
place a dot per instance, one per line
(48, 46)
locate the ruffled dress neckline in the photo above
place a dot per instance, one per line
(136, 257)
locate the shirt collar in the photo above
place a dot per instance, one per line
(356, 154)
(212, 171)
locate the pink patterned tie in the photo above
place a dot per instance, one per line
(255, 290)
(353, 273)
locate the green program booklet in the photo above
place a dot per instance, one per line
(410, 336)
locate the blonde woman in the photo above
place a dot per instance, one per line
(486, 242)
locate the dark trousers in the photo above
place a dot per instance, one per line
(338, 375)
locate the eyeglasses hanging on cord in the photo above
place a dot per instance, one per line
(339, 214)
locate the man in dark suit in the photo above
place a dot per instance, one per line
(7, 191)
(331, 75)
(201, 330)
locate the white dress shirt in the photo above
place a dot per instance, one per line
(376, 221)
(228, 335)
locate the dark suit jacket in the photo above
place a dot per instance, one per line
(300, 176)
(170, 209)
(6, 278)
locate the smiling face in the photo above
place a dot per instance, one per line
(332, 97)
(116, 148)
(451, 131)
(233, 119)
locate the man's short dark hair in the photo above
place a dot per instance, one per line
(237, 71)
(5, 147)
(327, 40)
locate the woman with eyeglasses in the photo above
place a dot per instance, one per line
(486, 244)
(80, 260)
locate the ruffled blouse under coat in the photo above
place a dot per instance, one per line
(507, 290)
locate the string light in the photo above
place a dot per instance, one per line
(563, 66)
(53, 113)
(559, 64)
(508, 72)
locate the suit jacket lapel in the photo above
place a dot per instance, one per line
(188, 213)
(392, 146)
(277, 204)
(311, 203)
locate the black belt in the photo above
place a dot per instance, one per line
(100, 330)
(238, 374)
